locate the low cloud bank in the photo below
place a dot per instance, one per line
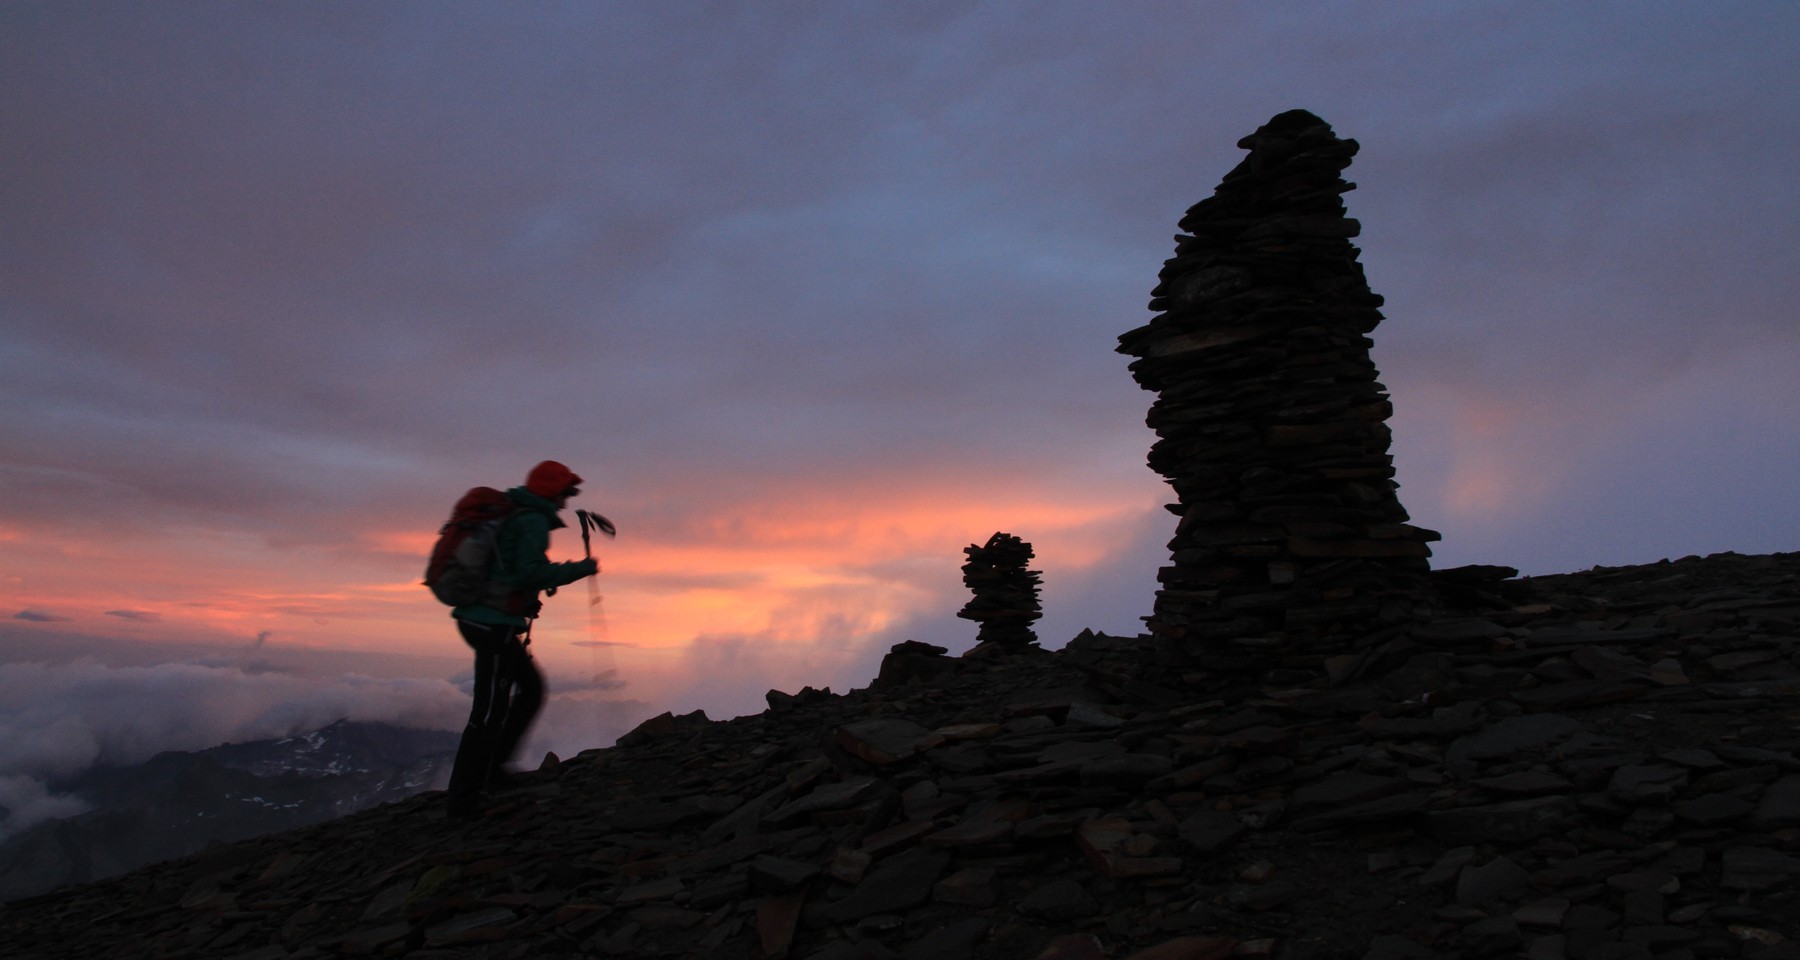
(58, 720)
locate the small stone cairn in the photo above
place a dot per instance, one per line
(1006, 593)
(1271, 422)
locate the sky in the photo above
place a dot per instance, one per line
(814, 296)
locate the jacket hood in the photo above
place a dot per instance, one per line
(527, 500)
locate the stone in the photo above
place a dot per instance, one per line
(1130, 770)
(953, 941)
(776, 918)
(1393, 946)
(972, 886)
(1074, 946)
(836, 796)
(1189, 948)
(1646, 783)
(911, 662)
(882, 740)
(1512, 735)
(664, 725)
(1448, 867)
(1399, 807)
(1780, 805)
(1346, 789)
(1492, 936)
(1206, 831)
(1062, 897)
(1455, 631)
(771, 874)
(848, 866)
(1523, 783)
(1576, 694)
(1755, 868)
(1516, 821)
(854, 950)
(1260, 897)
(1608, 665)
(1713, 808)
(1544, 914)
(1553, 947)
(905, 880)
(1500, 879)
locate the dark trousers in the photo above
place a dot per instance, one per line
(508, 692)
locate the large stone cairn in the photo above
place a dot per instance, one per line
(1271, 422)
(1006, 594)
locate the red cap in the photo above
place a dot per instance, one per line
(550, 479)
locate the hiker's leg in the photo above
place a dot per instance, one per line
(474, 753)
(527, 698)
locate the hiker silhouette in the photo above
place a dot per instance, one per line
(509, 690)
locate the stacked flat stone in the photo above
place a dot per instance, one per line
(1270, 420)
(1006, 593)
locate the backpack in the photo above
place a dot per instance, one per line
(460, 571)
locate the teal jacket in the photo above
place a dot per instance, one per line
(522, 560)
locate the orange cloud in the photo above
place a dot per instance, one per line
(807, 575)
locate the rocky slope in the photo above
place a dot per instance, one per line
(1594, 765)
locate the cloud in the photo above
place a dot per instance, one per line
(603, 680)
(39, 616)
(25, 802)
(145, 616)
(58, 720)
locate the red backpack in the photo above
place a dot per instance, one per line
(460, 571)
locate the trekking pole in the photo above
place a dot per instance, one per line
(591, 521)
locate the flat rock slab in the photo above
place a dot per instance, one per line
(1756, 868)
(654, 816)
(1074, 946)
(1130, 770)
(956, 941)
(832, 796)
(1607, 665)
(1525, 783)
(1557, 636)
(1516, 821)
(1780, 806)
(1644, 783)
(1374, 811)
(883, 740)
(1577, 693)
(1500, 879)
(1063, 897)
(1189, 948)
(902, 882)
(1713, 808)
(1459, 631)
(1513, 735)
(1209, 830)
(1346, 788)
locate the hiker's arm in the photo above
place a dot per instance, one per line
(531, 567)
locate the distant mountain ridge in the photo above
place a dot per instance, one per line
(178, 802)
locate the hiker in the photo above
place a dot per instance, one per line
(508, 687)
